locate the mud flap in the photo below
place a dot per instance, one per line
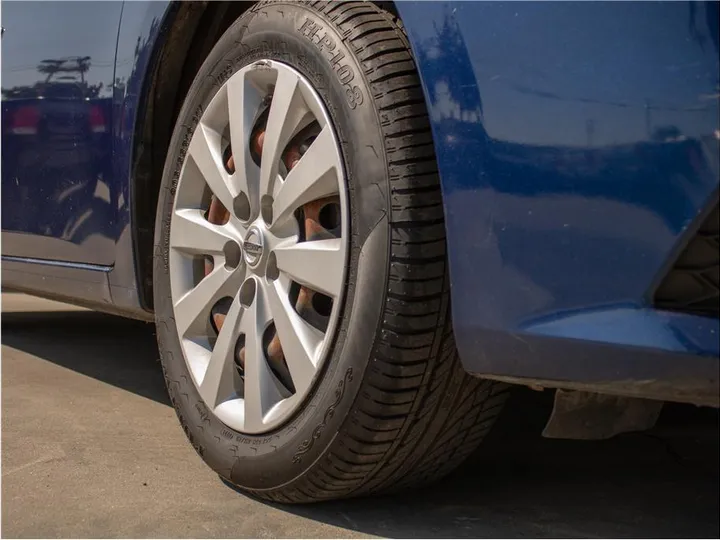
(591, 416)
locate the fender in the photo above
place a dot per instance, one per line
(554, 124)
(143, 29)
(160, 44)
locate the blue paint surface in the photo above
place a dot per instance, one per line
(60, 197)
(576, 142)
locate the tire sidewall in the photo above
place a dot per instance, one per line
(306, 40)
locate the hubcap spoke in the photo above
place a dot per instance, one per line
(243, 101)
(299, 340)
(287, 111)
(314, 177)
(218, 382)
(205, 152)
(317, 264)
(261, 390)
(191, 233)
(193, 308)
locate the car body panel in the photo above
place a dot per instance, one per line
(55, 265)
(577, 145)
(59, 194)
(594, 134)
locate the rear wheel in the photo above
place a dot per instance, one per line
(301, 284)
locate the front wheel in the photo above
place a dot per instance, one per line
(300, 277)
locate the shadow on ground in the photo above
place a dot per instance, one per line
(118, 351)
(659, 484)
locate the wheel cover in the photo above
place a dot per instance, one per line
(257, 292)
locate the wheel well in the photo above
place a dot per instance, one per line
(173, 69)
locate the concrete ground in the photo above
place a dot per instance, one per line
(91, 448)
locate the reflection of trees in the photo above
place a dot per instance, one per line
(457, 96)
(666, 134)
(141, 54)
(66, 72)
(711, 17)
(72, 64)
(19, 92)
(125, 83)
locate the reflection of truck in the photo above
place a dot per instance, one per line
(55, 127)
(64, 104)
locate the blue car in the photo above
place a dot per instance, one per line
(356, 225)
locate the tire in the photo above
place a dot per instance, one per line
(393, 407)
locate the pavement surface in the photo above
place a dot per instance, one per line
(92, 448)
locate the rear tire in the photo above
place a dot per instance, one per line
(393, 407)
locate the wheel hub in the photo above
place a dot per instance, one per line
(253, 246)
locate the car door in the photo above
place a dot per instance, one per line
(58, 63)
